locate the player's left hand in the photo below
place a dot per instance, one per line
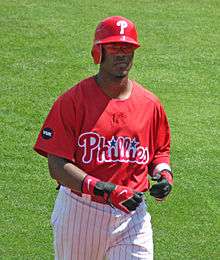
(163, 187)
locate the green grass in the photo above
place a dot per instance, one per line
(45, 49)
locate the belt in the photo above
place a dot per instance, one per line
(98, 199)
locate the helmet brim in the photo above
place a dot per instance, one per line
(121, 38)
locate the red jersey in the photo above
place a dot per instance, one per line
(114, 140)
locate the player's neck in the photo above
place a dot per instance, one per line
(114, 87)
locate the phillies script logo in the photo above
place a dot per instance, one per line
(118, 149)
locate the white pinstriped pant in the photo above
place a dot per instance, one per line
(86, 230)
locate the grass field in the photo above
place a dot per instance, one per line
(45, 49)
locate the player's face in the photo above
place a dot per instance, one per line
(117, 59)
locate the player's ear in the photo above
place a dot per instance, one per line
(103, 53)
(97, 53)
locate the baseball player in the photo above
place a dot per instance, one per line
(102, 138)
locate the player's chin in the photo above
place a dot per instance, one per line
(121, 73)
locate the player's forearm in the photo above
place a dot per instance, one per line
(66, 173)
(71, 176)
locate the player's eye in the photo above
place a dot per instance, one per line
(127, 49)
(115, 49)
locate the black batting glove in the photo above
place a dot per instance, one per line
(119, 196)
(163, 186)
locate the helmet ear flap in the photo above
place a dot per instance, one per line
(97, 53)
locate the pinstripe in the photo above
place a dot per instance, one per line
(65, 227)
(73, 220)
(85, 231)
(59, 231)
(111, 252)
(68, 225)
(78, 225)
(107, 235)
(59, 244)
(62, 234)
(88, 241)
(94, 233)
(134, 225)
(57, 237)
(132, 246)
(56, 244)
(130, 238)
(100, 234)
(64, 224)
(116, 254)
(123, 252)
(119, 252)
(90, 237)
(85, 234)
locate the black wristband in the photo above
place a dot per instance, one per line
(103, 187)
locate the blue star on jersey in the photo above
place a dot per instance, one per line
(112, 143)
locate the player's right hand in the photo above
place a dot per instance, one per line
(118, 196)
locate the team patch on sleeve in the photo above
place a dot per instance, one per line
(47, 133)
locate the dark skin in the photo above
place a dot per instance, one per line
(113, 74)
(113, 80)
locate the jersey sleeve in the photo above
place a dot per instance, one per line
(161, 156)
(57, 135)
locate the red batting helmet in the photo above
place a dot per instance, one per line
(113, 29)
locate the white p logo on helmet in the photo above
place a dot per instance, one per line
(123, 24)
